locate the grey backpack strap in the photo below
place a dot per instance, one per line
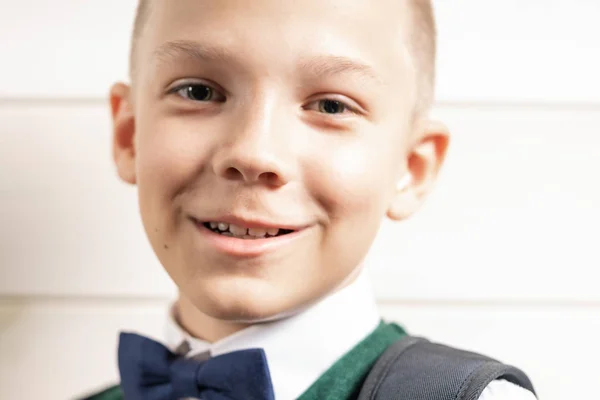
(416, 369)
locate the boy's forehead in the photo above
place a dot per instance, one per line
(275, 31)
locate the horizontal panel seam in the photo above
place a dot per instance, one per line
(78, 300)
(475, 103)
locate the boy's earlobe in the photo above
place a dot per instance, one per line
(404, 203)
(424, 161)
(123, 132)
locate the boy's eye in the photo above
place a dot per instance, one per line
(330, 106)
(198, 92)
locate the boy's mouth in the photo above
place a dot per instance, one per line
(239, 237)
(241, 232)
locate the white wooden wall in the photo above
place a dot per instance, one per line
(504, 259)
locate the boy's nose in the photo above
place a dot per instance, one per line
(250, 168)
(254, 152)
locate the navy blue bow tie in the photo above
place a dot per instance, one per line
(149, 371)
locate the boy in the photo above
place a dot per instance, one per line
(268, 139)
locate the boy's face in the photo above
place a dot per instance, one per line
(270, 115)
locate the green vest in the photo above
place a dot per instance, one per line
(342, 381)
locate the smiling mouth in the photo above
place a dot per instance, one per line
(240, 232)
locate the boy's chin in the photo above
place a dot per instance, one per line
(248, 302)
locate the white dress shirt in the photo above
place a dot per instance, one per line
(292, 345)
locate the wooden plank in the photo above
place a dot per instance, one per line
(511, 51)
(80, 338)
(69, 348)
(71, 227)
(503, 51)
(515, 215)
(65, 48)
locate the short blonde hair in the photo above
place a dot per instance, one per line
(422, 39)
(422, 47)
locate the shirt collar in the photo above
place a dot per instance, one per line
(300, 348)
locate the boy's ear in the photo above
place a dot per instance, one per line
(425, 158)
(123, 132)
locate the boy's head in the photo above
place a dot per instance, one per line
(293, 118)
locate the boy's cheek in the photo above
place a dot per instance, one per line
(350, 182)
(168, 156)
(161, 178)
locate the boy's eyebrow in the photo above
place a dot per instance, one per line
(194, 50)
(326, 65)
(316, 65)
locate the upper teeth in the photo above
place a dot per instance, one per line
(240, 231)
